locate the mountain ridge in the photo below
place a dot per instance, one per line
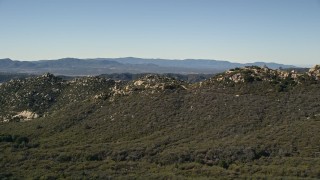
(282, 80)
(75, 66)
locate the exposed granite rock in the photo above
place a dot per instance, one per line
(26, 115)
(254, 73)
(156, 83)
(315, 72)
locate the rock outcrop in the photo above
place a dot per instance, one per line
(254, 73)
(155, 83)
(26, 115)
(315, 72)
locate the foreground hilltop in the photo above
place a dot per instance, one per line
(245, 122)
(33, 97)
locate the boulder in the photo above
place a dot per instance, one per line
(26, 115)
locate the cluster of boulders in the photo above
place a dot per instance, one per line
(251, 73)
(25, 115)
(148, 84)
(155, 83)
(80, 89)
(255, 73)
(315, 72)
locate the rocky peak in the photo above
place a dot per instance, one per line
(45, 78)
(157, 82)
(47, 75)
(149, 84)
(252, 73)
(315, 72)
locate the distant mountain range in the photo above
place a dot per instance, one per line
(78, 67)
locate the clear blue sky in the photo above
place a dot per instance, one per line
(283, 31)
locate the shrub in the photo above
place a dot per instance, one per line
(64, 158)
(6, 138)
(22, 140)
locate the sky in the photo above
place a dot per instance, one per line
(282, 31)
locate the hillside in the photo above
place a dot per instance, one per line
(249, 122)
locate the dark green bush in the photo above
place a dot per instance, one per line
(6, 138)
(22, 140)
(64, 158)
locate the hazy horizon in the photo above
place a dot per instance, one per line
(286, 32)
(298, 65)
